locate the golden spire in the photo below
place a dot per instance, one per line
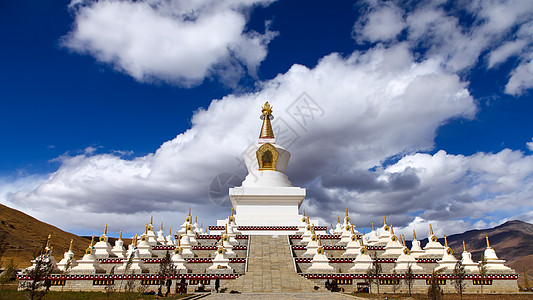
(92, 241)
(464, 246)
(195, 219)
(487, 238)
(70, 246)
(319, 241)
(347, 212)
(372, 226)
(170, 231)
(403, 238)
(105, 229)
(303, 211)
(48, 241)
(161, 226)
(266, 116)
(430, 229)
(134, 240)
(189, 211)
(313, 228)
(338, 219)
(146, 229)
(363, 231)
(151, 219)
(414, 235)
(202, 225)
(331, 223)
(120, 236)
(445, 241)
(384, 221)
(179, 240)
(391, 230)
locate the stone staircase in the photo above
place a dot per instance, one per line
(270, 269)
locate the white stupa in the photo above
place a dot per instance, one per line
(494, 264)
(433, 248)
(169, 239)
(68, 260)
(347, 229)
(185, 244)
(102, 249)
(118, 250)
(393, 249)
(178, 261)
(144, 247)
(363, 262)
(384, 235)
(353, 246)
(220, 262)
(89, 264)
(161, 236)
(225, 243)
(320, 262)
(470, 266)
(267, 197)
(373, 236)
(133, 263)
(311, 246)
(338, 226)
(416, 250)
(406, 260)
(448, 261)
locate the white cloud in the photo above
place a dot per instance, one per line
(436, 32)
(179, 42)
(530, 145)
(376, 104)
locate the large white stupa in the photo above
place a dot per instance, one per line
(267, 197)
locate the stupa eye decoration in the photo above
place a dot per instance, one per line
(406, 251)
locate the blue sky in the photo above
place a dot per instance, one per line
(115, 110)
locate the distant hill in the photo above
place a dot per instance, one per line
(25, 235)
(513, 242)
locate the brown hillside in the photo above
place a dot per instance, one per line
(25, 235)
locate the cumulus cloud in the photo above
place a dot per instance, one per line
(180, 42)
(498, 30)
(373, 105)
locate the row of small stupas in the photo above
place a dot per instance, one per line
(342, 252)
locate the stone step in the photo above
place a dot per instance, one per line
(270, 269)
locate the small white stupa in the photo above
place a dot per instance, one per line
(373, 236)
(144, 247)
(169, 239)
(363, 262)
(406, 260)
(68, 260)
(306, 236)
(185, 244)
(303, 223)
(338, 227)
(192, 236)
(384, 235)
(151, 237)
(433, 248)
(220, 262)
(494, 264)
(161, 235)
(133, 264)
(416, 250)
(178, 260)
(118, 250)
(188, 221)
(320, 262)
(470, 266)
(102, 249)
(393, 249)
(347, 229)
(353, 246)
(311, 246)
(224, 242)
(89, 264)
(448, 261)
(228, 230)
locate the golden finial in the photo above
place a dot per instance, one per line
(70, 245)
(134, 240)
(363, 231)
(391, 230)
(226, 228)
(151, 219)
(361, 242)
(266, 116)
(319, 240)
(487, 238)
(338, 219)
(48, 241)
(170, 231)
(120, 235)
(92, 241)
(430, 229)
(403, 238)
(464, 246)
(331, 223)
(346, 211)
(384, 221)
(189, 211)
(445, 241)
(313, 228)
(105, 229)
(161, 226)
(372, 226)
(146, 229)
(202, 225)
(195, 219)
(179, 240)
(353, 231)
(307, 220)
(303, 211)
(414, 235)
